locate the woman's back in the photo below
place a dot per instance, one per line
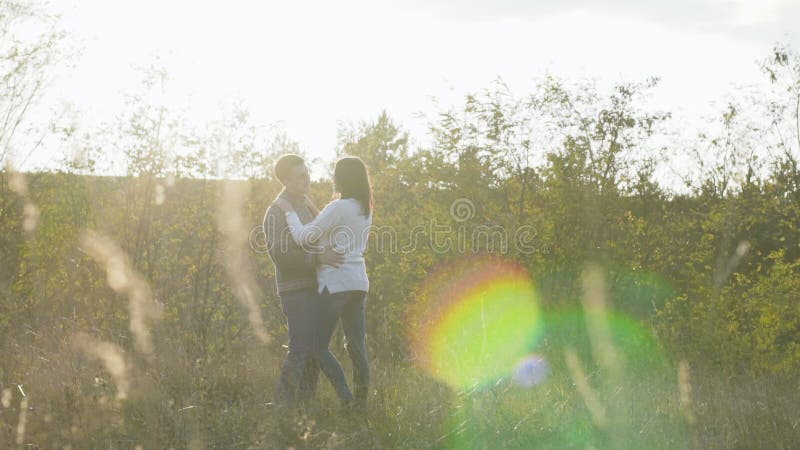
(349, 236)
(342, 226)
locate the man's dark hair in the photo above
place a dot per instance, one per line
(285, 163)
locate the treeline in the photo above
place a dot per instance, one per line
(140, 309)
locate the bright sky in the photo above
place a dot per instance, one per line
(313, 64)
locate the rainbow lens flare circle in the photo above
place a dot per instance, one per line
(474, 320)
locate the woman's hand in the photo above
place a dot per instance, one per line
(284, 204)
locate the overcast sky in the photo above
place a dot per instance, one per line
(311, 65)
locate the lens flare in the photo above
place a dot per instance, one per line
(601, 377)
(531, 371)
(474, 320)
(638, 293)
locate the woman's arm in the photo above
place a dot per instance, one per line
(285, 257)
(311, 232)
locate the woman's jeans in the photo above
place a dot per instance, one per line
(350, 308)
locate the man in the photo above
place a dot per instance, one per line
(296, 279)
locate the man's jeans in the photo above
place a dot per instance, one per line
(350, 307)
(300, 372)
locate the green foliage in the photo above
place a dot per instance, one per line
(706, 280)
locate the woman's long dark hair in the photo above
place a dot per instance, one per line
(350, 179)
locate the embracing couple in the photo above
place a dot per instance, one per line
(321, 277)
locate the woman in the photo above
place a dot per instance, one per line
(344, 226)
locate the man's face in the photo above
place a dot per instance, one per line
(298, 181)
